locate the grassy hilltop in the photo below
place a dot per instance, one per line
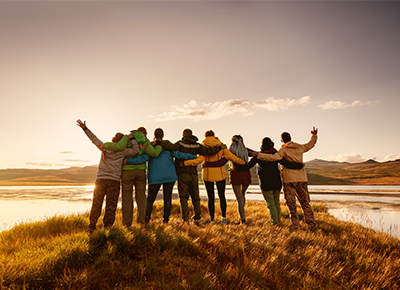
(59, 254)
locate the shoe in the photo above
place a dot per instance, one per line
(212, 222)
(196, 222)
(224, 221)
(90, 229)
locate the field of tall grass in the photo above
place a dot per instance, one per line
(58, 253)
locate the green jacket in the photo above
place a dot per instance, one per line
(145, 147)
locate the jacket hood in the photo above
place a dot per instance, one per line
(291, 144)
(211, 141)
(139, 136)
(190, 139)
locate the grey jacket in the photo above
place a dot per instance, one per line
(110, 166)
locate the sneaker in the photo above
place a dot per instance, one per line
(196, 222)
(224, 221)
(212, 222)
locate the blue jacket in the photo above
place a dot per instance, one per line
(161, 168)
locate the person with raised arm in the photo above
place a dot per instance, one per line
(107, 182)
(294, 181)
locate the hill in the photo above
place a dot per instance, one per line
(68, 176)
(342, 173)
(320, 172)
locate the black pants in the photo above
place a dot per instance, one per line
(152, 192)
(211, 197)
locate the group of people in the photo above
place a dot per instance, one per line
(127, 158)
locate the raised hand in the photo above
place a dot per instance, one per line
(81, 124)
(314, 131)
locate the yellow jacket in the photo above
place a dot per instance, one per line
(213, 174)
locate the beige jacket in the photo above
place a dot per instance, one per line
(291, 151)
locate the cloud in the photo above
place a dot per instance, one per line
(66, 152)
(212, 111)
(350, 158)
(45, 164)
(272, 104)
(392, 157)
(75, 160)
(338, 105)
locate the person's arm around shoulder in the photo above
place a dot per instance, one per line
(269, 157)
(152, 151)
(312, 141)
(232, 157)
(96, 141)
(252, 162)
(194, 162)
(138, 159)
(182, 155)
(167, 145)
(119, 146)
(209, 151)
(134, 150)
(290, 164)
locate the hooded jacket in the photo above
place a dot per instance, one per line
(213, 174)
(144, 147)
(291, 151)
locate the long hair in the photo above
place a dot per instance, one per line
(237, 147)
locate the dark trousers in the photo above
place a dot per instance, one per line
(152, 192)
(188, 186)
(211, 197)
(104, 188)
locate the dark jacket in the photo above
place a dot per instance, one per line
(268, 173)
(190, 145)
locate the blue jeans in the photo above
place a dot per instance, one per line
(167, 195)
(211, 197)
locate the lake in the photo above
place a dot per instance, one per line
(377, 207)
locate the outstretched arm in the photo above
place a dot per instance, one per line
(96, 141)
(119, 146)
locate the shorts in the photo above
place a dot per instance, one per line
(240, 177)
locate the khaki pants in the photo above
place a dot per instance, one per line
(292, 190)
(272, 199)
(131, 178)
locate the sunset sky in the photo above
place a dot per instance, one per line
(250, 68)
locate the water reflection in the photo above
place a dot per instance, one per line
(32, 203)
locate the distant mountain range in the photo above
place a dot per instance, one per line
(319, 172)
